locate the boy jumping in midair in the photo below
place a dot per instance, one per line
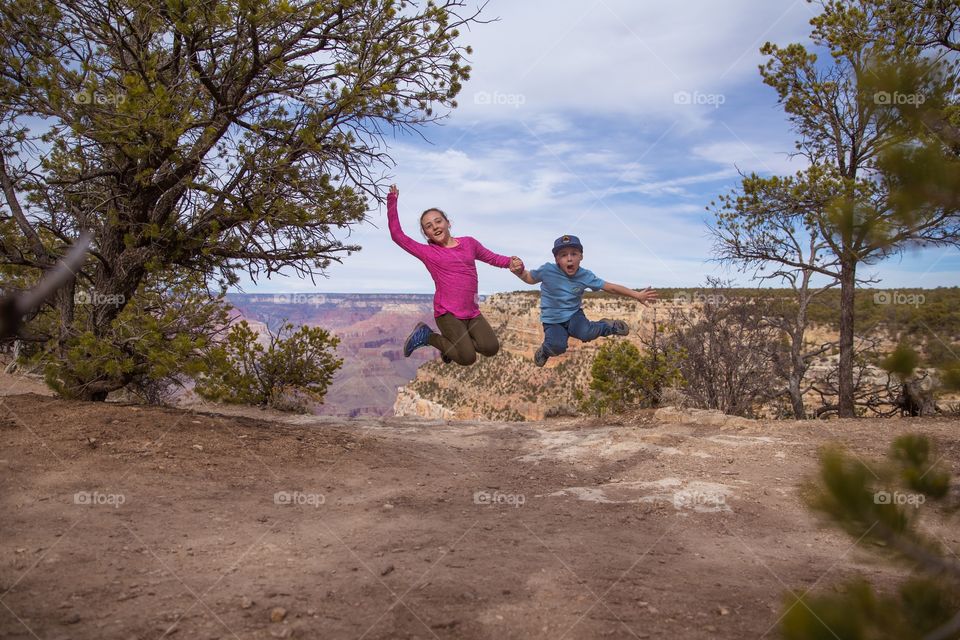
(562, 284)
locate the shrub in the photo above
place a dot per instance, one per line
(287, 374)
(622, 377)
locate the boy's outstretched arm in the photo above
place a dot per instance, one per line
(647, 295)
(521, 272)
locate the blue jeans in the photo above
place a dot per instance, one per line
(555, 335)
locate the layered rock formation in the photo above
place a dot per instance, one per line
(371, 328)
(509, 386)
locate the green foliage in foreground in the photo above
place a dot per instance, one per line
(288, 373)
(881, 504)
(919, 607)
(902, 362)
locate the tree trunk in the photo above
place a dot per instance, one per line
(14, 362)
(848, 280)
(796, 397)
(98, 391)
(798, 366)
(105, 302)
(65, 304)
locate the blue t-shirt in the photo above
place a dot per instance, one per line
(560, 294)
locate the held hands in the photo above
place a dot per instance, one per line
(647, 295)
(516, 265)
(394, 191)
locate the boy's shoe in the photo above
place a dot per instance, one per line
(620, 328)
(417, 338)
(540, 358)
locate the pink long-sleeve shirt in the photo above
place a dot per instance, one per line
(453, 269)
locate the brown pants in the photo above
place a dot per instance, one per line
(461, 340)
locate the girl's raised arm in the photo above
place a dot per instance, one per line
(406, 243)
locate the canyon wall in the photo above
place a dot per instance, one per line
(371, 328)
(509, 386)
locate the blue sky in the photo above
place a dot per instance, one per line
(613, 120)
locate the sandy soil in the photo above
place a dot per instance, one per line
(134, 522)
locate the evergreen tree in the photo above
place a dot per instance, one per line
(216, 138)
(870, 191)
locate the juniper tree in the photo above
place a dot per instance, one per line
(219, 138)
(291, 371)
(622, 378)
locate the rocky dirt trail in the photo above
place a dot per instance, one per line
(135, 522)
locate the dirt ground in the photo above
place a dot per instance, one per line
(133, 522)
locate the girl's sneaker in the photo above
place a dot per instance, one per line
(417, 338)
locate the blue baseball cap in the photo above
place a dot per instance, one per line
(564, 242)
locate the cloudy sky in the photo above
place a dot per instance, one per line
(614, 120)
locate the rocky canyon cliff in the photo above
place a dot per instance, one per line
(371, 329)
(509, 386)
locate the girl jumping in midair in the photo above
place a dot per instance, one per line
(464, 332)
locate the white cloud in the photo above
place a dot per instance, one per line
(674, 186)
(752, 156)
(619, 57)
(578, 132)
(549, 123)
